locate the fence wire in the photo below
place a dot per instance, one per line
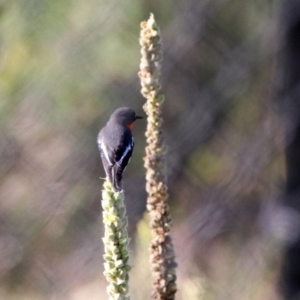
(65, 66)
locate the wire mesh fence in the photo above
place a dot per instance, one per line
(65, 66)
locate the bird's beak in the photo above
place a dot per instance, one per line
(138, 117)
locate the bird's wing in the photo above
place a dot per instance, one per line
(106, 153)
(124, 152)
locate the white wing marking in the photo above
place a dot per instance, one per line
(129, 147)
(104, 149)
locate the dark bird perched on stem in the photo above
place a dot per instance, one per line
(115, 142)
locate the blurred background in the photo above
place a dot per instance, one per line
(66, 65)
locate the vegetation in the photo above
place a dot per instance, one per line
(65, 66)
(162, 256)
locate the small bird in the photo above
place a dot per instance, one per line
(116, 143)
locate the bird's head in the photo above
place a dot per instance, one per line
(125, 116)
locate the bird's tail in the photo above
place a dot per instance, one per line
(113, 174)
(116, 177)
(110, 173)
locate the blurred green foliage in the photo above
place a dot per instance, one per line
(65, 66)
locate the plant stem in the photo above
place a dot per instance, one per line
(116, 267)
(162, 256)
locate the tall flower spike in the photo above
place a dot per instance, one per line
(116, 242)
(162, 256)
